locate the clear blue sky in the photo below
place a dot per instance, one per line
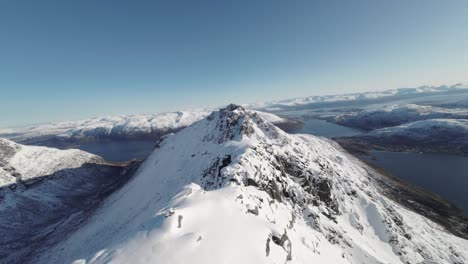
(68, 59)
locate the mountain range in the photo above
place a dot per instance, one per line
(354, 98)
(408, 127)
(234, 188)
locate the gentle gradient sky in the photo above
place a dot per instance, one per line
(68, 59)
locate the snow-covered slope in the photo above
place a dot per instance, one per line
(24, 163)
(45, 193)
(396, 93)
(233, 188)
(394, 115)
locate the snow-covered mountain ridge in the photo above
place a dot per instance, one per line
(433, 135)
(394, 115)
(108, 128)
(233, 188)
(123, 127)
(363, 96)
(24, 163)
(407, 127)
(420, 127)
(46, 193)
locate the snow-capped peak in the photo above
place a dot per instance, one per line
(233, 188)
(234, 122)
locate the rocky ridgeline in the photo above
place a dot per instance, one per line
(313, 189)
(234, 188)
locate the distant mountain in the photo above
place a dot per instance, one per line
(357, 97)
(104, 128)
(394, 115)
(432, 135)
(45, 193)
(233, 188)
(20, 163)
(124, 127)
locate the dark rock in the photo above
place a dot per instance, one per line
(251, 182)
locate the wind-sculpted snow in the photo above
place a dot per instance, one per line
(395, 115)
(233, 188)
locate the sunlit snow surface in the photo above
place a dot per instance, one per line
(184, 207)
(123, 125)
(113, 127)
(31, 161)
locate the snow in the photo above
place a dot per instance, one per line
(393, 115)
(111, 125)
(422, 127)
(422, 110)
(277, 105)
(274, 119)
(124, 126)
(278, 198)
(46, 193)
(31, 161)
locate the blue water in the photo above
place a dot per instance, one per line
(445, 175)
(118, 151)
(323, 128)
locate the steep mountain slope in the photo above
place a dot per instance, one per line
(233, 188)
(45, 193)
(433, 135)
(395, 115)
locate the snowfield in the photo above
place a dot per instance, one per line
(233, 188)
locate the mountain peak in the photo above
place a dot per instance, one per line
(233, 122)
(235, 181)
(233, 107)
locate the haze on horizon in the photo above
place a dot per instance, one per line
(69, 60)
